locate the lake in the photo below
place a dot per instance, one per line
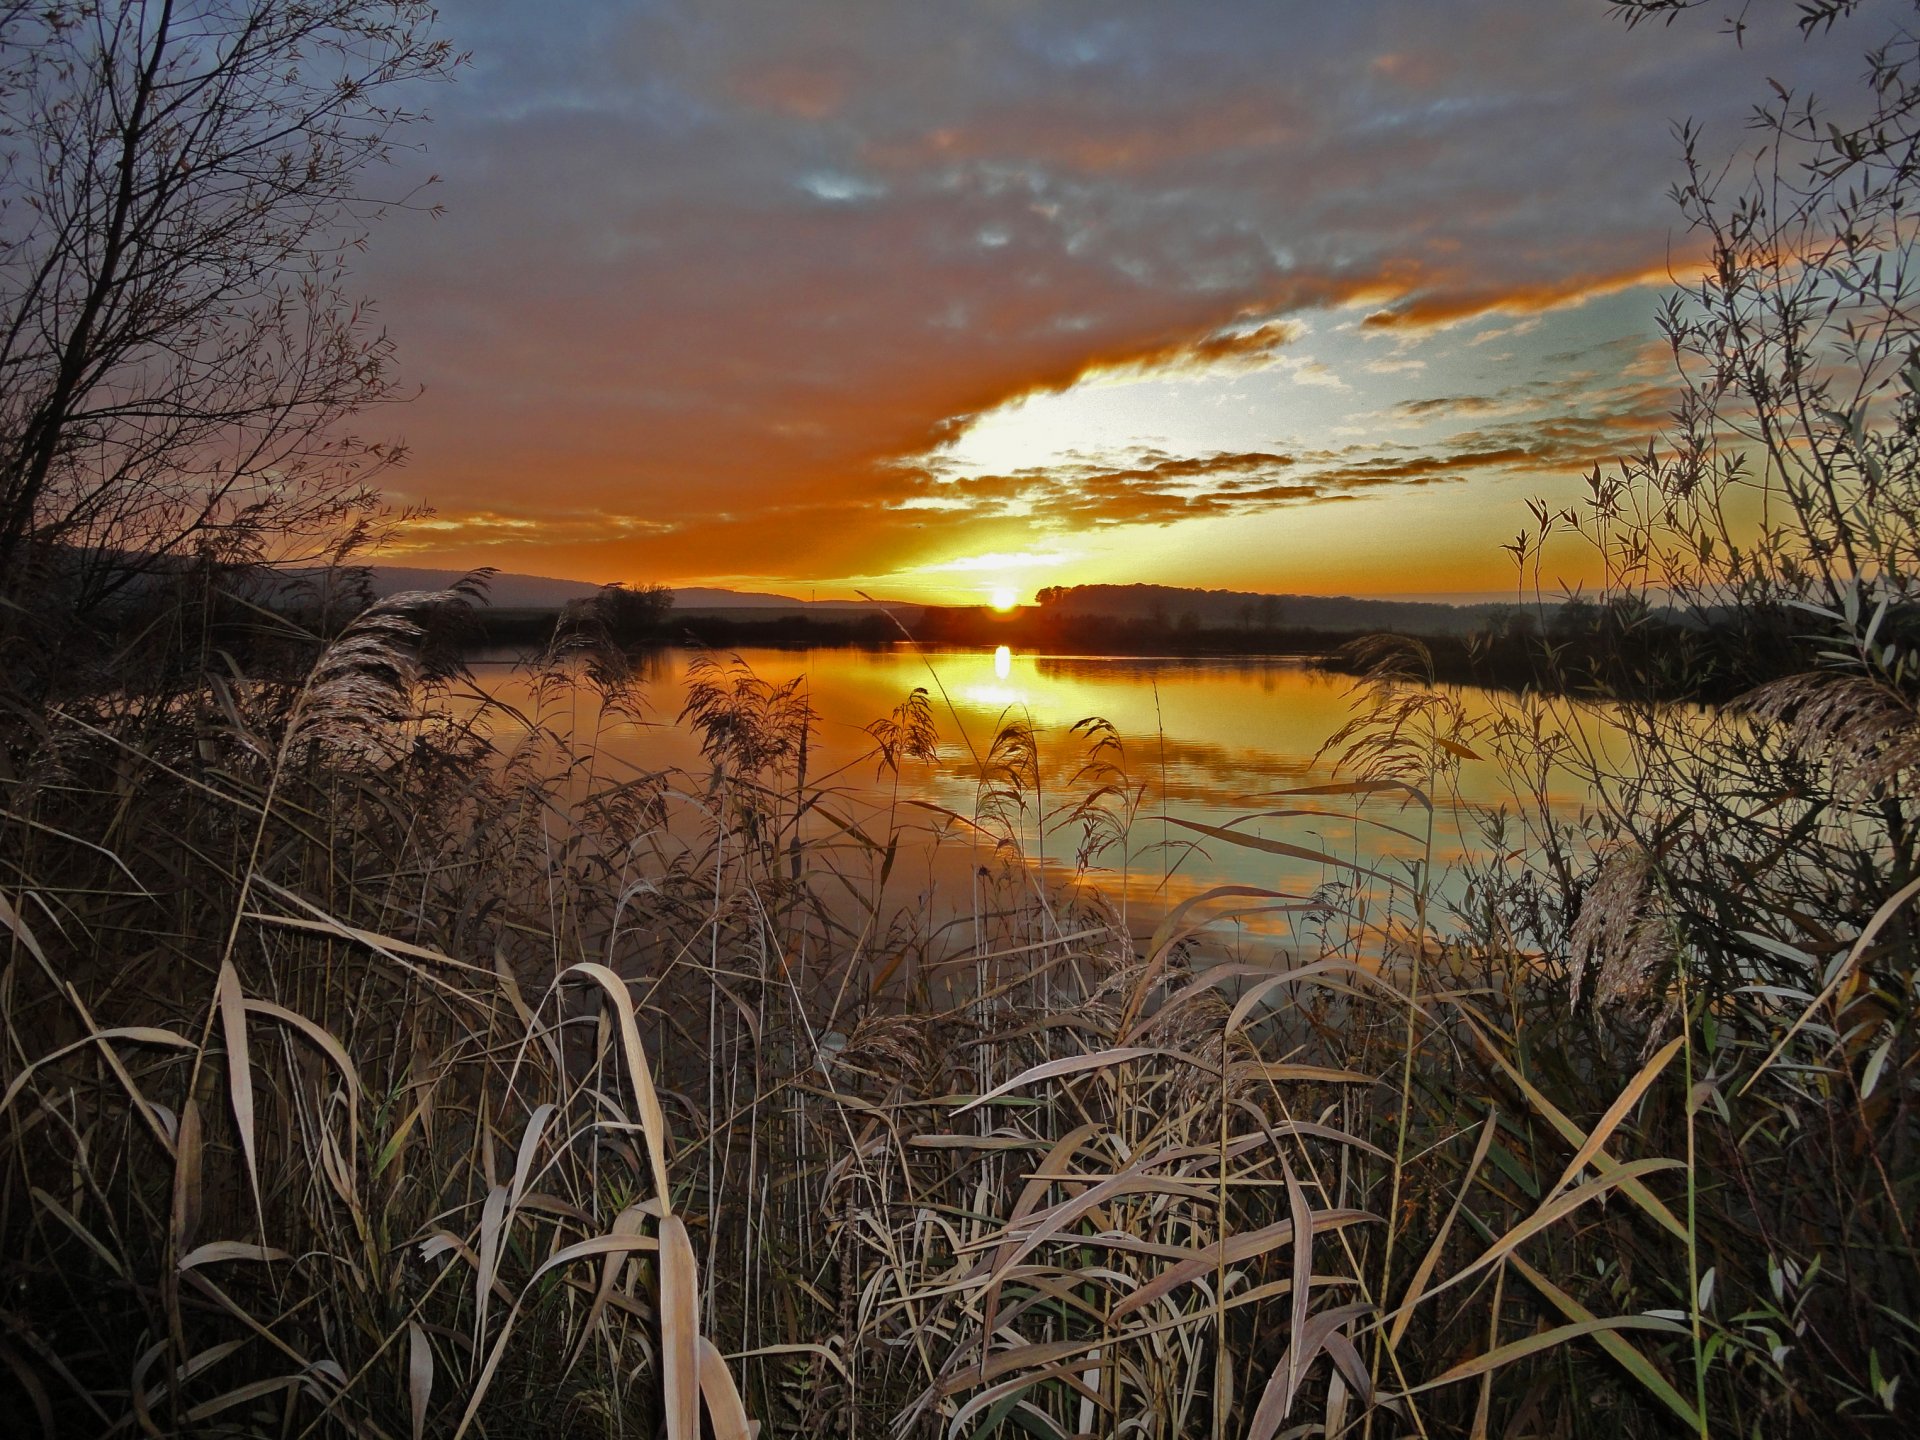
(1208, 742)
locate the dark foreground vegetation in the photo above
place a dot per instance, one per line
(1630, 650)
(378, 1062)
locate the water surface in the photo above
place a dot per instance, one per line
(1211, 741)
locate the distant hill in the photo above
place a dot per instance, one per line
(542, 592)
(507, 592)
(696, 598)
(1243, 609)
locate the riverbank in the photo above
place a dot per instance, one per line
(1589, 654)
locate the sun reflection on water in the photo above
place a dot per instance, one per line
(1216, 740)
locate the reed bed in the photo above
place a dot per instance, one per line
(378, 1063)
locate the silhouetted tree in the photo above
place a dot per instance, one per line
(1576, 619)
(182, 188)
(631, 614)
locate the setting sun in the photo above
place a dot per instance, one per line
(1005, 597)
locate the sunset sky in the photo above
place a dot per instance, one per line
(939, 299)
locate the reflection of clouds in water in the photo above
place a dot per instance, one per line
(1190, 773)
(1212, 739)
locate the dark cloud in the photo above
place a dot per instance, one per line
(1156, 490)
(1449, 405)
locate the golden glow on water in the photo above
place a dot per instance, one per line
(1209, 741)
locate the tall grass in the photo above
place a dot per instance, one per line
(382, 1062)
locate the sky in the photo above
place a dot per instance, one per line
(935, 301)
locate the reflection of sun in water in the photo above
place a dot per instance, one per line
(1005, 597)
(996, 694)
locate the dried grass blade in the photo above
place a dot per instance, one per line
(240, 1395)
(589, 1248)
(1160, 946)
(139, 1034)
(492, 1221)
(1297, 1358)
(1483, 1403)
(989, 1397)
(419, 1377)
(653, 1121)
(233, 1029)
(1355, 787)
(13, 920)
(1232, 1251)
(625, 1225)
(999, 1362)
(332, 1048)
(1636, 1364)
(580, 1250)
(216, 1250)
(1544, 1340)
(1347, 1361)
(1031, 1194)
(1574, 1135)
(1055, 1374)
(1556, 1209)
(1281, 847)
(1070, 1065)
(1417, 1286)
(1316, 812)
(1252, 998)
(391, 946)
(1314, 1336)
(1164, 932)
(1325, 1074)
(529, 1147)
(1211, 979)
(1617, 1111)
(184, 1213)
(679, 1331)
(725, 1412)
(797, 1348)
(1310, 1127)
(1271, 1411)
(1049, 1222)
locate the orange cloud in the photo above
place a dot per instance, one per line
(1435, 308)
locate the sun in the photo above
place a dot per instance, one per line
(1005, 597)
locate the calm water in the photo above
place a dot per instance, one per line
(1212, 739)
